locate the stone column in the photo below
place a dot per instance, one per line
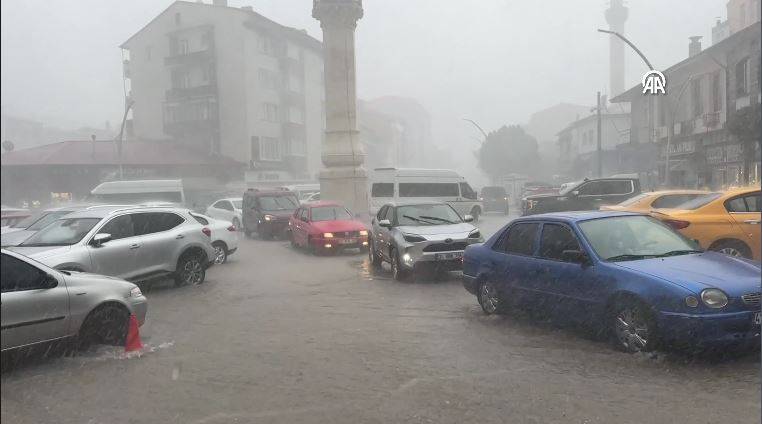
(343, 179)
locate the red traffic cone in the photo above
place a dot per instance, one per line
(133, 342)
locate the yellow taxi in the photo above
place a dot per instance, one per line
(727, 222)
(644, 202)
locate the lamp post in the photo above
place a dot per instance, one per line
(629, 43)
(477, 127)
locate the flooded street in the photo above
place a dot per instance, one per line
(264, 340)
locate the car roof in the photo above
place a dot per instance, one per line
(107, 210)
(322, 203)
(270, 192)
(413, 203)
(677, 191)
(577, 216)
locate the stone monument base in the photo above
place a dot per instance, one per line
(347, 185)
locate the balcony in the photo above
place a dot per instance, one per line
(178, 94)
(191, 58)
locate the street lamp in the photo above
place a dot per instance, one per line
(629, 43)
(477, 127)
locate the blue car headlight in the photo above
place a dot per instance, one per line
(714, 298)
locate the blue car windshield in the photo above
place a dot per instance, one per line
(634, 237)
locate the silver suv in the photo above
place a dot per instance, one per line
(43, 305)
(135, 243)
(413, 235)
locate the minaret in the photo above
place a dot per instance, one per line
(616, 14)
(343, 177)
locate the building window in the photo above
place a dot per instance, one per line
(742, 82)
(696, 98)
(295, 115)
(206, 40)
(208, 73)
(269, 112)
(716, 93)
(293, 51)
(269, 149)
(296, 147)
(180, 79)
(178, 18)
(294, 83)
(268, 79)
(182, 46)
(267, 45)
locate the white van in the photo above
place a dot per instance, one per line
(140, 191)
(303, 191)
(408, 184)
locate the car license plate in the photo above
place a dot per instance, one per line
(757, 319)
(347, 241)
(448, 256)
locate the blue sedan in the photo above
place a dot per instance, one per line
(629, 274)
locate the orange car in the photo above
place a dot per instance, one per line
(645, 202)
(727, 222)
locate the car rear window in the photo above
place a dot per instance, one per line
(674, 200)
(699, 201)
(493, 192)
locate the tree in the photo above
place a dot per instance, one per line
(744, 124)
(509, 150)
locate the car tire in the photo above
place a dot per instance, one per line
(633, 326)
(398, 272)
(373, 258)
(489, 299)
(735, 248)
(190, 270)
(476, 212)
(220, 253)
(106, 324)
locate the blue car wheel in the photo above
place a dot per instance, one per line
(633, 327)
(490, 299)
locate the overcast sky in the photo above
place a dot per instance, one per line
(494, 61)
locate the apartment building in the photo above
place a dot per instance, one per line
(228, 81)
(578, 143)
(705, 93)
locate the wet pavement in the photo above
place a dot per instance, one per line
(279, 336)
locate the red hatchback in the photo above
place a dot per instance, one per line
(326, 227)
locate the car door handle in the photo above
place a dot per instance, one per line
(179, 236)
(752, 221)
(134, 246)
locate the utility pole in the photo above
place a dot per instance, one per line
(599, 139)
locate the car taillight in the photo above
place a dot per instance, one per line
(207, 231)
(677, 224)
(231, 228)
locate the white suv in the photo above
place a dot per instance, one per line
(134, 243)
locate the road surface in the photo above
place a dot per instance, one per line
(279, 336)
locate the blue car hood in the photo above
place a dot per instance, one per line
(696, 272)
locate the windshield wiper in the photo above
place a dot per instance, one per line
(679, 252)
(417, 219)
(438, 219)
(629, 257)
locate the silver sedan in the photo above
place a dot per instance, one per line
(43, 305)
(414, 235)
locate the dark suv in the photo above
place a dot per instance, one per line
(267, 212)
(494, 198)
(583, 195)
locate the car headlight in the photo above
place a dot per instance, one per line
(135, 292)
(363, 232)
(531, 203)
(269, 217)
(714, 298)
(475, 234)
(412, 238)
(327, 235)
